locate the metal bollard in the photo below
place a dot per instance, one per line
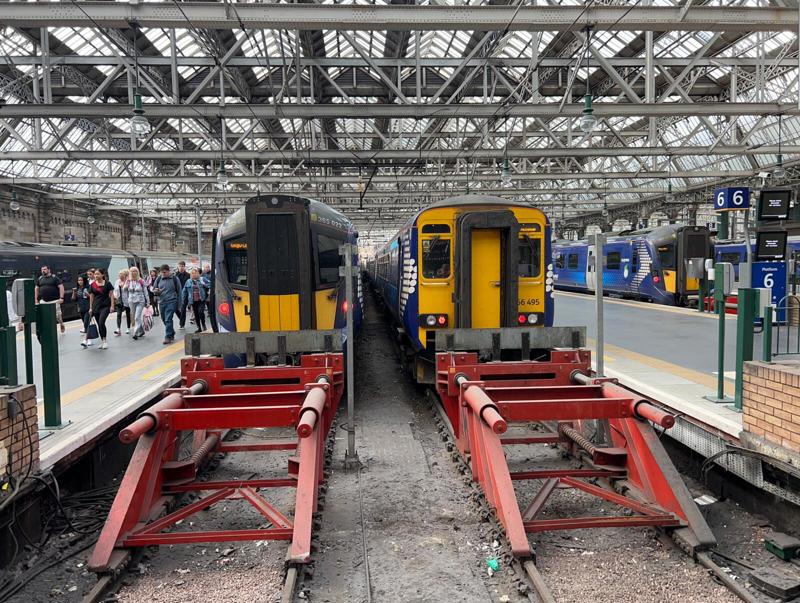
(767, 335)
(51, 382)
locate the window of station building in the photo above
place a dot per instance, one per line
(436, 252)
(613, 260)
(560, 261)
(236, 260)
(731, 257)
(572, 261)
(328, 259)
(530, 257)
(666, 255)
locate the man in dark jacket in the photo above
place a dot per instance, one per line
(50, 290)
(183, 276)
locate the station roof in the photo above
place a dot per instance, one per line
(379, 108)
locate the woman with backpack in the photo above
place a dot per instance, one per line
(121, 297)
(194, 293)
(136, 290)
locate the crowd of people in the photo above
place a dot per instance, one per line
(133, 297)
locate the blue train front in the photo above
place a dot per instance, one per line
(276, 266)
(648, 264)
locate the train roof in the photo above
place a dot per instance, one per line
(31, 248)
(471, 199)
(319, 212)
(657, 233)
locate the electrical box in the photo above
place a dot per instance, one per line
(22, 297)
(694, 267)
(728, 277)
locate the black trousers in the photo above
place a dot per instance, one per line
(127, 310)
(199, 314)
(86, 318)
(100, 316)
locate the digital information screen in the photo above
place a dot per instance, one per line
(774, 204)
(771, 245)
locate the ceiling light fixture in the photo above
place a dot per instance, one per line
(588, 120)
(14, 204)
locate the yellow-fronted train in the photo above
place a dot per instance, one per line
(276, 267)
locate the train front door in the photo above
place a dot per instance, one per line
(486, 278)
(591, 269)
(486, 257)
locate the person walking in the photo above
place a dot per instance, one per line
(194, 293)
(168, 291)
(80, 295)
(50, 290)
(101, 304)
(121, 297)
(150, 282)
(183, 276)
(137, 300)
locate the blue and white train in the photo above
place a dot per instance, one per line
(648, 264)
(734, 252)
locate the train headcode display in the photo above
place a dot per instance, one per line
(731, 198)
(774, 204)
(771, 245)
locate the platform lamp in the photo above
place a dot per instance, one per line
(140, 126)
(588, 120)
(779, 173)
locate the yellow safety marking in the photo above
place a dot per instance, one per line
(160, 369)
(647, 306)
(670, 281)
(241, 300)
(709, 381)
(121, 373)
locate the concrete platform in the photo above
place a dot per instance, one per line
(99, 388)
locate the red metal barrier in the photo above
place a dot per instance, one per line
(482, 399)
(216, 399)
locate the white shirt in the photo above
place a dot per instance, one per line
(12, 316)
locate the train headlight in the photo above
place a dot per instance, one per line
(532, 318)
(433, 320)
(224, 309)
(522, 319)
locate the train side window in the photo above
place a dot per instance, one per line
(613, 260)
(666, 255)
(560, 260)
(634, 260)
(328, 259)
(572, 261)
(731, 257)
(236, 261)
(530, 257)
(436, 255)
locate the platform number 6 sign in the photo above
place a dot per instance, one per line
(726, 199)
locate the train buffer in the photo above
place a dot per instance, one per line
(212, 400)
(630, 468)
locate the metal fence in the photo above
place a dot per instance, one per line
(785, 328)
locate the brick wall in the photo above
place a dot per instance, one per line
(14, 436)
(771, 403)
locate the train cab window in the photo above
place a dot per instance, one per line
(236, 261)
(731, 257)
(613, 260)
(328, 259)
(572, 261)
(530, 257)
(560, 261)
(666, 256)
(436, 251)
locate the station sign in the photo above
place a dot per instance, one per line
(731, 198)
(771, 245)
(69, 238)
(771, 275)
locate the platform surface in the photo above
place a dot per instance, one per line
(666, 353)
(101, 387)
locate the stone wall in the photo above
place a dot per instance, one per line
(51, 221)
(19, 439)
(771, 404)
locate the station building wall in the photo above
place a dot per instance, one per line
(771, 408)
(52, 222)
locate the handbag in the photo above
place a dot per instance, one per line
(92, 332)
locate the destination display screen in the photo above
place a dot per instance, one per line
(774, 204)
(771, 245)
